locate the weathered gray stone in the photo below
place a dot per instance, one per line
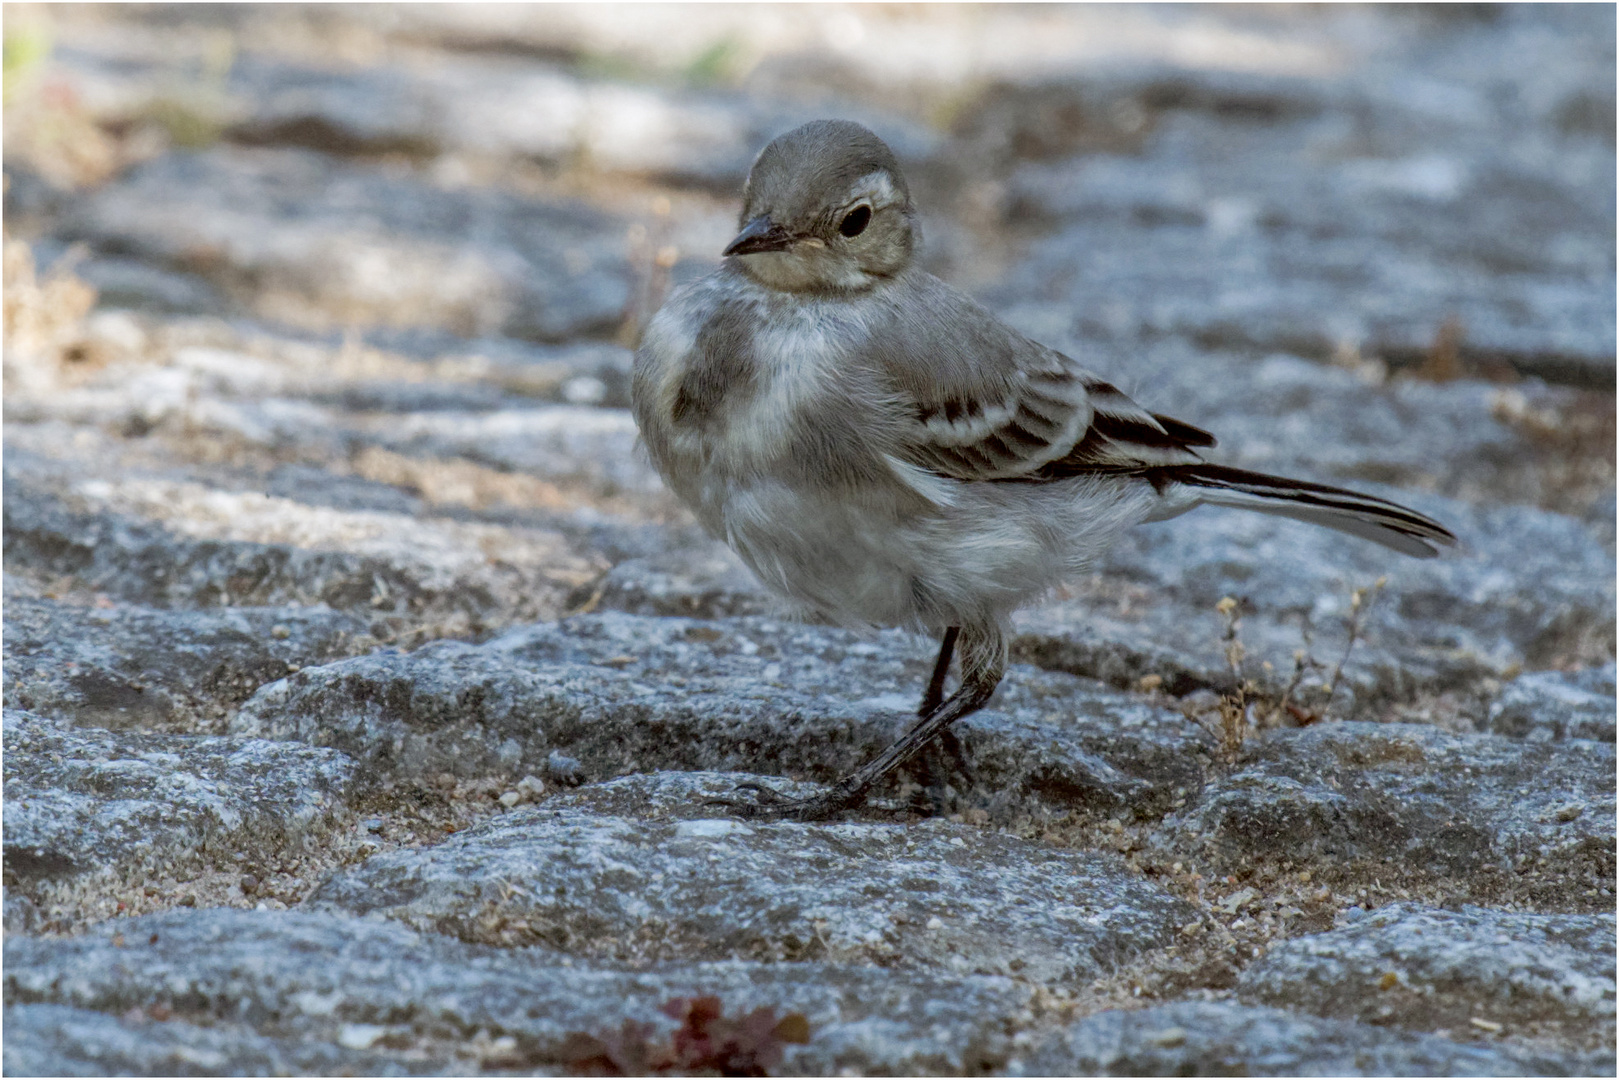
(291, 390)
(31, 199)
(1238, 263)
(1422, 802)
(1557, 705)
(1218, 1039)
(1424, 968)
(133, 283)
(625, 693)
(505, 108)
(56, 1040)
(165, 542)
(303, 239)
(311, 978)
(121, 666)
(515, 108)
(577, 464)
(933, 894)
(1525, 589)
(315, 486)
(90, 799)
(21, 914)
(705, 581)
(1440, 63)
(578, 373)
(592, 448)
(1360, 211)
(1523, 584)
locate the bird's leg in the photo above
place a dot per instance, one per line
(983, 665)
(952, 745)
(851, 790)
(934, 697)
(944, 773)
(934, 765)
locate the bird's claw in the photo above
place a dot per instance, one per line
(767, 804)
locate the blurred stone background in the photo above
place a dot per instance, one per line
(362, 684)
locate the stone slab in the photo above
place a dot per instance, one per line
(624, 693)
(1220, 1039)
(87, 799)
(933, 895)
(313, 981)
(1411, 966)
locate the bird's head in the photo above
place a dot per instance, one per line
(825, 209)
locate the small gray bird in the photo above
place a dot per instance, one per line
(881, 450)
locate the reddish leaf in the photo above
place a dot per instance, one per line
(704, 1043)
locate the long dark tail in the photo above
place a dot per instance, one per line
(1366, 516)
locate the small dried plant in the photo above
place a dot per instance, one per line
(652, 256)
(1360, 602)
(1292, 703)
(1248, 706)
(44, 322)
(1232, 730)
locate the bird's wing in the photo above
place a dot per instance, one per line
(1046, 425)
(982, 402)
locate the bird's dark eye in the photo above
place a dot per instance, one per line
(855, 221)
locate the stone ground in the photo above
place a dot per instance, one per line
(363, 687)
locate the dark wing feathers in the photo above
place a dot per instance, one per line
(1051, 420)
(1185, 433)
(1031, 419)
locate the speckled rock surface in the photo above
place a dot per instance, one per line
(705, 582)
(1252, 207)
(335, 580)
(514, 108)
(297, 235)
(121, 665)
(56, 1040)
(1196, 1039)
(1480, 808)
(629, 693)
(1527, 589)
(1424, 968)
(418, 1000)
(168, 541)
(87, 799)
(613, 887)
(1555, 705)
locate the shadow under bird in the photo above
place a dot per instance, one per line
(881, 450)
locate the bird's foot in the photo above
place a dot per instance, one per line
(766, 804)
(943, 775)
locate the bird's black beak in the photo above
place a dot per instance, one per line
(760, 234)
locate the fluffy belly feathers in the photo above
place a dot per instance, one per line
(924, 567)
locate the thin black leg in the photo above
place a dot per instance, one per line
(941, 670)
(952, 746)
(932, 762)
(979, 680)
